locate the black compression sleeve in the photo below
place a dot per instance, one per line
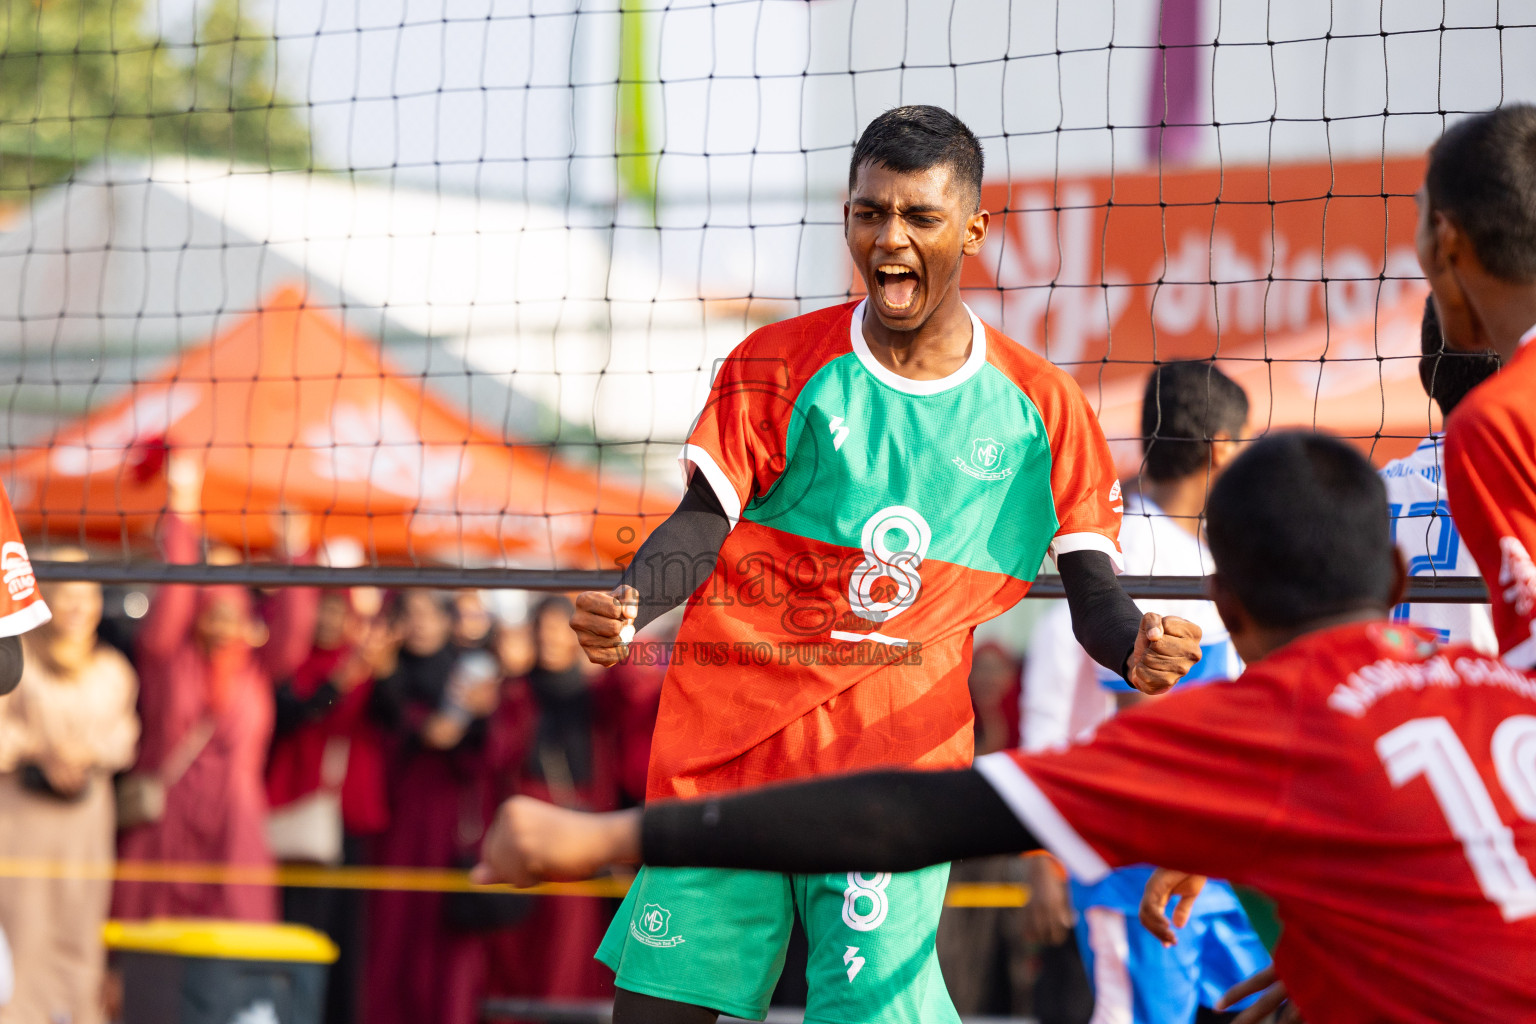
(879, 821)
(679, 555)
(1104, 620)
(11, 661)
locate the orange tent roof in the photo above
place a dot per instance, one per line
(1359, 382)
(292, 413)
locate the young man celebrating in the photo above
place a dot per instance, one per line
(1379, 787)
(866, 485)
(1477, 248)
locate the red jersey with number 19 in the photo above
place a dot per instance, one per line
(1380, 788)
(876, 521)
(1490, 478)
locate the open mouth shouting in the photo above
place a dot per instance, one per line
(897, 285)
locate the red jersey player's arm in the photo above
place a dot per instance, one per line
(875, 821)
(1190, 781)
(1493, 503)
(878, 821)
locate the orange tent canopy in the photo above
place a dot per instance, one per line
(1359, 382)
(291, 413)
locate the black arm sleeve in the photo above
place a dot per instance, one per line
(1104, 620)
(679, 555)
(10, 663)
(878, 821)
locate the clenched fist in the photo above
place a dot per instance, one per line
(1166, 648)
(531, 841)
(605, 623)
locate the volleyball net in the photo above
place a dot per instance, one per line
(434, 291)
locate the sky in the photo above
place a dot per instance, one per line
(762, 98)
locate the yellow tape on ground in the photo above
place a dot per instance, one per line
(391, 879)
(986, 894)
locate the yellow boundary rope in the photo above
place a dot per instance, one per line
(392, 879)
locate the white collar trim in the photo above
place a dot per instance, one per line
(1528, 336)
(973, 362)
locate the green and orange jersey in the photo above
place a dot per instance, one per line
(876, 521)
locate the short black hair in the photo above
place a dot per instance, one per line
(1298, 528)
(1186, 404)
(1447, 375)
(1482, 175)
(916, 138)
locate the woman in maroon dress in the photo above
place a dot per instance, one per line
(432, 708)
(207, 661)
(324, 740)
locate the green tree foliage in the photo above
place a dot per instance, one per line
(80, 79)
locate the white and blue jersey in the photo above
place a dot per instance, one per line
(1430, 542)
(1136, 980)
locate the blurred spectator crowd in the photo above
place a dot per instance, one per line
(338, 727)
(349, 728)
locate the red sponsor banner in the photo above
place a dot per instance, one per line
(1104, 274)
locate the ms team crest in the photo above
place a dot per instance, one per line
(652, 925)
(986, 461)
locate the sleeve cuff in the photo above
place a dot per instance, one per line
(696, 458)
(1065, 543)
(28, 618)
(1036, 812)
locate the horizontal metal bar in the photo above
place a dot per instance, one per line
(278, 575)
(1421, 589)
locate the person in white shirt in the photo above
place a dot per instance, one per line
(1421, 516)
(1061, 694)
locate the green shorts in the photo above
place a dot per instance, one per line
(716, 938)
